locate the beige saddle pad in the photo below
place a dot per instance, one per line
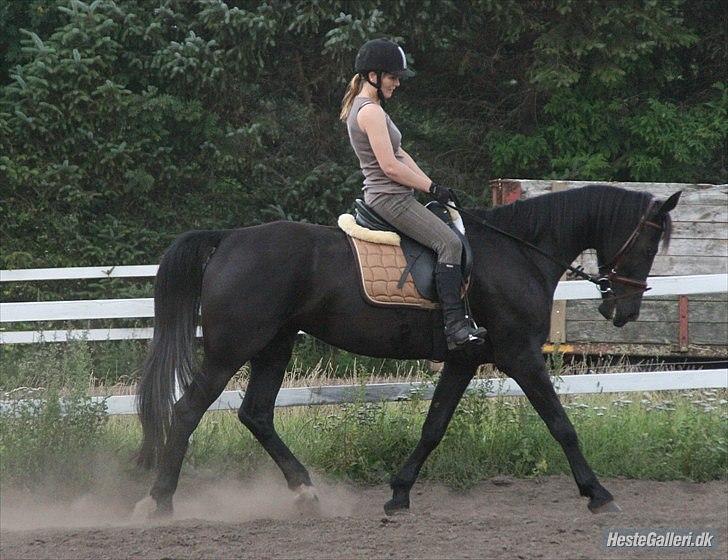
(381, 263)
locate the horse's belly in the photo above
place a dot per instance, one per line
(378, 332)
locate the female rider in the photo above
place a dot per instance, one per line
(391, 176)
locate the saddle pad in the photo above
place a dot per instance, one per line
(380, 268)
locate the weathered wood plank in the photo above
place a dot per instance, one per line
(650, 311)
(699, 230)
(656, 333)
(694, 297)
(700, 213)
(670, 265)
(688, 248)
(667, 265)
(692, 193)
(604, 331)
(702, 247)
(709, 333)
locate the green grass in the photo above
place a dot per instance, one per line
(117, 363)
(663, 436)
(367, 442)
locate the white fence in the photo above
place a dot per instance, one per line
(377, 392)
(144, 308)
(136, 308)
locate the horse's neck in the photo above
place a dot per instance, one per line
(600, 219)
(565, 226)
(576, 222)
(573, 238)
(568, 233)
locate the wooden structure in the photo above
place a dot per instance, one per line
(670, 325)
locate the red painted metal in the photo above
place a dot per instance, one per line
(683, 338)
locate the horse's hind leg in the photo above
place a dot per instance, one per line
(256, 413)
(188, 411)
(448, 392)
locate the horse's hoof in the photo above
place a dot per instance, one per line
(143, 510)
(149, 508)
(609, 507)
(162, 513)
(394, 507)
(307, 502)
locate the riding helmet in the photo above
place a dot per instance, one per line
(382, 55)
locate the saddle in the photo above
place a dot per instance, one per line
(396, 270)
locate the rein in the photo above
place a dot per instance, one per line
(604, 280)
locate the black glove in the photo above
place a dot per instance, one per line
(440, 193)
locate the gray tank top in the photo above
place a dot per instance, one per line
(376, 183)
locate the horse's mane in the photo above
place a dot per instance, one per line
(563, 212)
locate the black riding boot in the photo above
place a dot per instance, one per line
(458, 328)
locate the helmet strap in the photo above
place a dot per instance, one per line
(377, 85)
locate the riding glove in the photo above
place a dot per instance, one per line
(442, 194)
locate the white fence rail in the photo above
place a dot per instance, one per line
(79, 273)
(377, 392)
(144, 308)
(136, 308)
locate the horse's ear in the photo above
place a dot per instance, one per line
(670, 203)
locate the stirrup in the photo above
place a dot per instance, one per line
(477, 332)
(475, 335)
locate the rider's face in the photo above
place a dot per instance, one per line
(390, 82)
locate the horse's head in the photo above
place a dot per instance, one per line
(630, 262)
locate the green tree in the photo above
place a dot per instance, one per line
(124, 123)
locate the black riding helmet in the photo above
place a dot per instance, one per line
(381, 55)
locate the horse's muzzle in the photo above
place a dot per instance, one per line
(606, 308)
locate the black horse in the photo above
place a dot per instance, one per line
(258, 286)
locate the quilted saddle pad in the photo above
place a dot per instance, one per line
(380, 268)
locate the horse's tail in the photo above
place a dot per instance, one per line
(176, 305)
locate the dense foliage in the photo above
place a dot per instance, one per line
(123, 123)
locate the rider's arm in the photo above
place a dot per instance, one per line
(372, 121)
(409, 162)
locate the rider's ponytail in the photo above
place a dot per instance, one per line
(352, 91)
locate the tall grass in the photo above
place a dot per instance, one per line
(48, 434)
(45, 444)
(116, 363)
(367, 442)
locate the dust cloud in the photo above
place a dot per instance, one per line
(115, 491)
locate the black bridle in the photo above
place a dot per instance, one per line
(608, 274)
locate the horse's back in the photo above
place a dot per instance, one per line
(265, 275)
(272, 256)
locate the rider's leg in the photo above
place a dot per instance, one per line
(414, 220)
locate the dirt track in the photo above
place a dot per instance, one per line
(521, 519)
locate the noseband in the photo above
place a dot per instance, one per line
(608, 273)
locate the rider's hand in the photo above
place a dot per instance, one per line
(440, 193)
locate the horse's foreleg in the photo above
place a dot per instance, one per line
(256, 413)
(448, 392)
(540, 392)
(187, 413)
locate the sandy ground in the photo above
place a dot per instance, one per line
(502, 518)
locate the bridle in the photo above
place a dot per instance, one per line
(608, 273)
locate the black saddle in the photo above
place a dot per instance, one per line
(421, 260)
